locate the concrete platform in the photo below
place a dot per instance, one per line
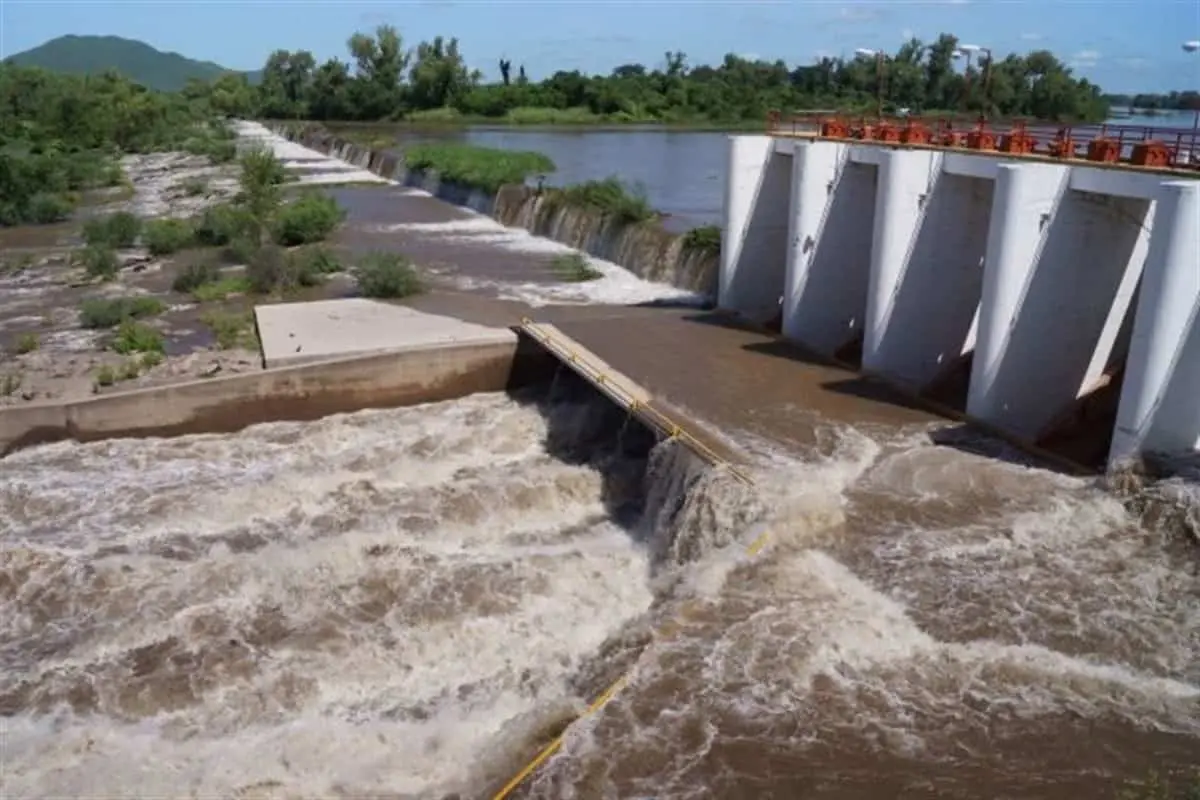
(299, 333)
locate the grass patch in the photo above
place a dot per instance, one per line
(10, 382)
(221, 289)
(574, 268)
(705, 239)
(387, 276)
(115, 230)
(100, 313)
(609, 196)
(26, 343)
(482, 167)
(232, 330)
(307, 219)
(165, 236)
(137, 337)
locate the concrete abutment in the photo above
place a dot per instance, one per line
(1041, 290)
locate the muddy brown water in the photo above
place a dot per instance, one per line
(406, 602)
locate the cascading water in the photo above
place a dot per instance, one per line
(410, 602)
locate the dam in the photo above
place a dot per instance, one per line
(1031, 288)
(417, 552)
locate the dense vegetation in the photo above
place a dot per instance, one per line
(384, 80)
(60, 135)
(137, 61)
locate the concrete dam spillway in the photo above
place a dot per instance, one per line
(404, 557)
(1039, 285)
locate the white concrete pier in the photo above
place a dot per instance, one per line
(1051, 280)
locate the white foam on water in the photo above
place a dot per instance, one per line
(298, 158)
(352, 605)
(616, 286)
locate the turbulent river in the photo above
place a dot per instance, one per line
(406, 603)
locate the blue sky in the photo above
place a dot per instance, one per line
(1124, 46)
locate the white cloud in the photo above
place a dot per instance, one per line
(1031, 37)
(1085, 58)
(1134, 63)
(907, 34)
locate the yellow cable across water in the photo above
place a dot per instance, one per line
(675, 431)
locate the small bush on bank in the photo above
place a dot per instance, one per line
(110, 312)
(608, 196)
(195, 275)
(165, 236)
(232, 330)
(26, 343)
(269, 270)
(574, 268)
(310, 218)
(387, 276)
(46, 208)
(137, 337)
(705, 239)
(99, 261)
(115, 230)
(482, 167)
(219, 225)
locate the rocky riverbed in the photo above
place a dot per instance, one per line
(50, 353)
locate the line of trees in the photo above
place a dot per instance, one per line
(1171, 101)
(384, 80)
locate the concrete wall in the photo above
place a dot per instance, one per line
(1028, 275)
(828, 259)
(1061, 273)
(927, 258)
(1160, 399)
(755, 231)
(304, 392)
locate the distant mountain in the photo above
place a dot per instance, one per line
(135, 60)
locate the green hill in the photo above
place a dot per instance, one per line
(135, 60)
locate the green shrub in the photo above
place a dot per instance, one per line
(46, 208)
(221, 224)
(608, 196)
(483, 167)
(116, 230)
(166, 236)
(99, 261)
(574, 268)
(194, 276)
(109, 312)
(137, 337)
(106, 376)
(705, 239)
(310, 218)
(27, 343)
(387, 275)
